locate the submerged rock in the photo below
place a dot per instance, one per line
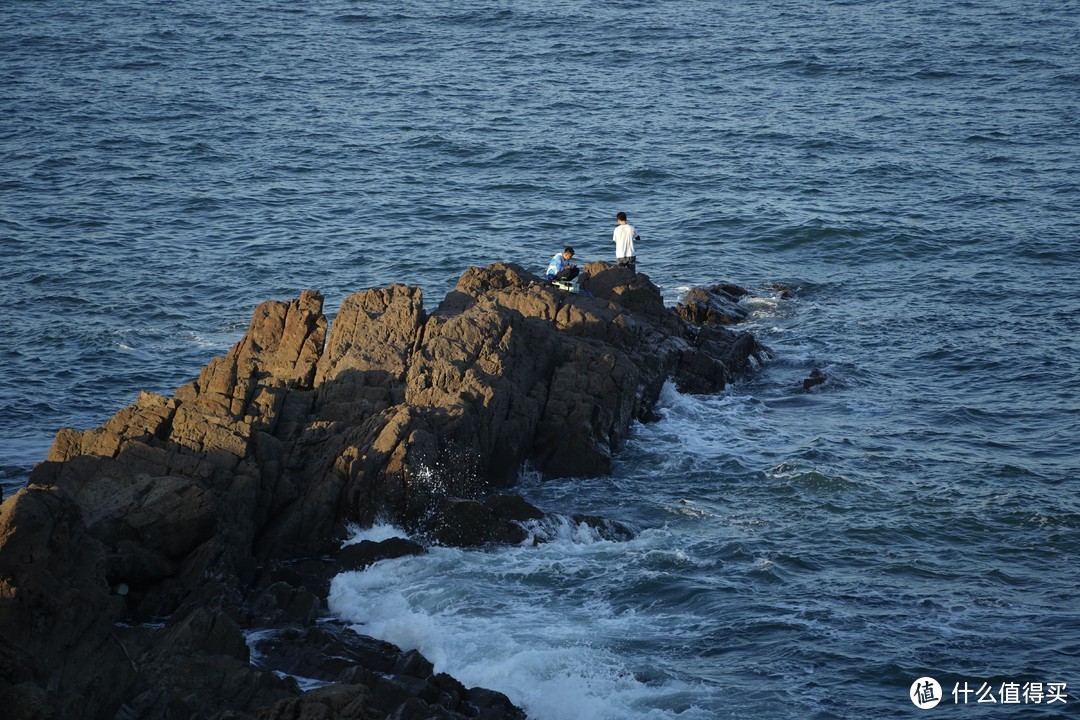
(816, 378)
(236, 493)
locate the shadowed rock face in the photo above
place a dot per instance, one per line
(180, 504)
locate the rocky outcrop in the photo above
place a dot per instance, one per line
(142, 551)
(714, 305)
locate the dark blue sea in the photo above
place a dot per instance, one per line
(910, 169)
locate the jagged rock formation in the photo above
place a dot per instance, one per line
(714, 305)
(215, 508)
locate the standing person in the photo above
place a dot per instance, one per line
(560, 267)
(624, 236)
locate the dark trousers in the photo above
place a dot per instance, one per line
(630, 262)
(566, 274)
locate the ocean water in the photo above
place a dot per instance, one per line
(911, 170)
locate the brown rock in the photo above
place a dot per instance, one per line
(367, 353)
(816, 378)
(715, 305)
(56, 613)
(278, 446)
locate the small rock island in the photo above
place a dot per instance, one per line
(144, 563)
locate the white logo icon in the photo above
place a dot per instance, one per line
(925, 693)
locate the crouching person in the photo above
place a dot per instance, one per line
(560, 267)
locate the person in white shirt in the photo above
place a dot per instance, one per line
(624, 236)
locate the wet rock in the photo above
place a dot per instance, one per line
(717, 356)
(816, 378)
(510, 507)
(324, 652)
(786, 293)
(444, 691)
(414, 664)
(358, 556)
(730, 289)
(714, 305)
(497, 519)
(606, 528)
(391, 679)
(282, 602)
(491, 705)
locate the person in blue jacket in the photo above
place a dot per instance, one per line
(560, 267)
